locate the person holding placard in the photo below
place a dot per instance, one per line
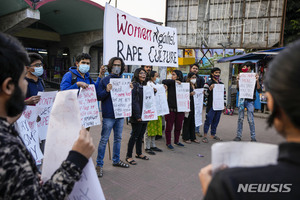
(188, 131)
(212, 116)
(19, 176)
(138, 125)
(174, 117)
(247, 67)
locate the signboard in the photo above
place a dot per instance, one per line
(198, 102)
(183, 97)
(161, 100)
(247, 85)
(149, 109)
(218, 97)
(136, 41)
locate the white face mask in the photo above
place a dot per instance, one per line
(193, 81)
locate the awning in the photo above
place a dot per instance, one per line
(243, 61)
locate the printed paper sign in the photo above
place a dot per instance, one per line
(88, 106)
(247, 85)
(64, 127)
(198, 102)
(121, 97)
(183, 97)
(162, 106)
(44, 108)
(136, 41)
(218, 97)
(149, 109)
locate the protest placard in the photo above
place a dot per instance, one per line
(64, 127)
(218, 97)
(198, 102)
(247, 85)
(121, 97)
(44, 107)
(162, 106)
(136, 41)
(149, 109)
(88, 106)
(183, 97)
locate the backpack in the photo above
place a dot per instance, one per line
(74, 78)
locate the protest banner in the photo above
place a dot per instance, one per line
(88, 106)
(136, 41)
(198, 104)
(218, 97)
(64, 127)
(247, 85)
(149, 109)
(183, 97)
(44, 107)
(121, 97)
(162, 106)
(29, 134)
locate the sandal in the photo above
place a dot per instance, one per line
(121, 164)
(205, 140)
(187, 141)
(132, 162)
(196, 141)
(143, 157)
(216, 138)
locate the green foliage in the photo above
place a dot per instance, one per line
(292, 22)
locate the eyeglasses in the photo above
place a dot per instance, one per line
(117, 65)
(37, 65)
(142, 73)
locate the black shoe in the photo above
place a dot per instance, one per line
(149, 151)
(156, 149)
(179, 144)
(253, 140)
(99, 171)
(157, 137)
(237, 139)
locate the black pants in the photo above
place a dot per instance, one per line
(188, 131)
(138, 131)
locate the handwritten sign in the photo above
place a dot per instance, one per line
(149, 109)
(43, 109)
(121, 97)
(64, 127)
(88, 105)
(247, 85)
(29, 134)
(183, 97)
(198, 104)
(136, 41)
(162, 106)
(218, 97)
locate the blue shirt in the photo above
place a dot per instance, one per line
(34, 87)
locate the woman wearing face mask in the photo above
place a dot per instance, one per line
(188, 131)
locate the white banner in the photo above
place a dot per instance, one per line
(136, 41)
(247, 85)
(183, 97)
(198, 104)
(162, 106)
(149, 109)
(121, 97)
(88, 106)
(43, 109)
(218, 97)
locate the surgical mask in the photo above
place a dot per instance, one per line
(38, 71)
(217, 77)
(84, 68)
(245, 70)
(157, 80)
(116, 70)
(193, 81)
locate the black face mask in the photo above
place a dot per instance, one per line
(15, 105)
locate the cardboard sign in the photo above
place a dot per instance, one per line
(161, 100)
(247, 85)
(64, 128)
(121, 97)
(218, 97)
(88, 106)
(136, 41)
(149, 109)
(43, 109)
(183, 97)
(198, 104)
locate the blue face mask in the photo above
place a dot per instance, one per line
(157, 80)
(84, 68)
(38, 71)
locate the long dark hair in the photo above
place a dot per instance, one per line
(135, 77)
(179, 75)
(111, 62)
(189, 76)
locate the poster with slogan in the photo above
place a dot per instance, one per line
(198, 104)
(218, 97)
(149, 108)
(121, 97)
(247, 85)
(183, 97)
(30, 136)
(44, 107)
(63, 131)
(88, 106)
(162, 106)
(137, 41)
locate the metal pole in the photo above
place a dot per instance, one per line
(116, 3)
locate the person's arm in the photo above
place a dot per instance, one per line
(66, 82)
(136, 111)
(258, 86)
(102, 92)
(206, 89)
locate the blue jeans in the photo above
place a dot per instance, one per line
(250, 110)
(212, 119)
(197, 129)
(107, 126)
